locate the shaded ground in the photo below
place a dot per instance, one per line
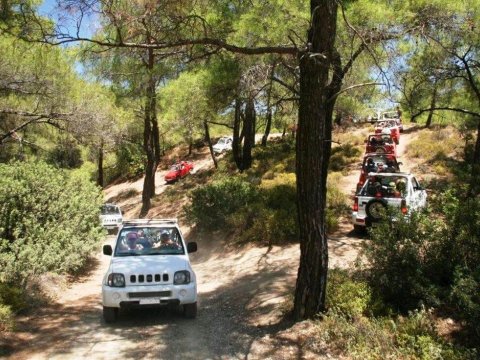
(243, 294)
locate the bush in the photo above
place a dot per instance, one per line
(213, 203)
(411, 337)
(346, 296)
(48, 220)
(343, 155)
(6, 318)
(272, 218)
(404, 259)
(430, 259)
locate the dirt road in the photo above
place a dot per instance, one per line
(242, 294)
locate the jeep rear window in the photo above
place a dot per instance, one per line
(148, 240)
(386, 186)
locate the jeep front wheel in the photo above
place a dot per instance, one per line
(110, 314)
(190, 310)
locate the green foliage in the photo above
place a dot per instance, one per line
(6, 318)
(410, 337)
(343, 155)
(48, 220)
(214, 202)
(430, 259)
(346, 296)
(65, 154)
(130, 161)
(272, 218)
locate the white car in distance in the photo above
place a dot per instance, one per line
(111, 216)
(223, 144)
(150, 267)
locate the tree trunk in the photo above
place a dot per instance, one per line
(312, 157)
(151, 142)
(209, 142)
(249, 131)
(236, 143)
(475, 175)
(100, 165)
(267, 127)
(432, 106)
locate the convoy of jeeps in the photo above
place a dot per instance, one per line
(150, 264)
(382, 185)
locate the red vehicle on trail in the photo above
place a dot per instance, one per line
(377, 163)
(178, 171)
(388, 126)
(381, 144)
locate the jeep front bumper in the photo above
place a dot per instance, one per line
(156, 295)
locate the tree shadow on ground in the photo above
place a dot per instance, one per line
(230, 319)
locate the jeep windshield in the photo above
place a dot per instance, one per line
(139, 241)
(110, 210)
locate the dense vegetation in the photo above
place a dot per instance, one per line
(48, 223)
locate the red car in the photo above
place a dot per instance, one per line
(178, 171)
(380, 143)
(377, 163)
(385, 126)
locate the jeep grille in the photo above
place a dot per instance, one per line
(148, 278)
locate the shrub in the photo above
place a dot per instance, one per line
(6, 318)
(403, 258)
(343, 155)
(48, 220)
(272, 218)
(214, 202)
(346, 296)
(411, 337)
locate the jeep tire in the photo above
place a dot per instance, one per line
(374, 209)
(190, 310)
(110, 314)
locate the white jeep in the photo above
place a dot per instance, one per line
(223, 144)
(384, 190)
(111, 216)
(150, 267)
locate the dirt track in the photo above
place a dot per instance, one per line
(242, 293)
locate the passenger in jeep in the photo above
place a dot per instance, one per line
(166, 242)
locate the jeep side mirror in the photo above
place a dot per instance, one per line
(107, 250)
(191, 247)
(365, 141)
(400, 163)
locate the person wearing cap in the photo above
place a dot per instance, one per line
(132, 242)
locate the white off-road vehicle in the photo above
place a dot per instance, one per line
(386, 190)
(223, 144)
(111, 216)
(150, 267)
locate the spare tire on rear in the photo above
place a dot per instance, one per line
(376, 209)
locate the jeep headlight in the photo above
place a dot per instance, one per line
(116, 280)
(181, 277)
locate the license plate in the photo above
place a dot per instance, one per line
(149, 301)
